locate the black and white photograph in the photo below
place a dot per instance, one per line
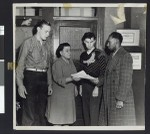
(79, 66)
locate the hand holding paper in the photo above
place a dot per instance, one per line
(95, 81)
(76, 78)
(82, 75)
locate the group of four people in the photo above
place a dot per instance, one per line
(107, 98)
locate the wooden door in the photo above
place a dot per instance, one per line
(72, 32)
(73, 36)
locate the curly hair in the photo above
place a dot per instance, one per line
(88, 35)
(116, 35)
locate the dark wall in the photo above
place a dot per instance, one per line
(1, 46)
(138, 21)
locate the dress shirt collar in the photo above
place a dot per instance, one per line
(43, 42)
(115, 52)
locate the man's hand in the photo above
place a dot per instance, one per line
(80, 90)
(22, 92)
(95, 81)
(50, 90)
(76, 91)
(119, 104)
(95, 92)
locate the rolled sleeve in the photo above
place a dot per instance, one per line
(21, 63)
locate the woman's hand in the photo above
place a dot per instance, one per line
(76, 78)
(72, 78)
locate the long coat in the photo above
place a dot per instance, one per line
(118, 86)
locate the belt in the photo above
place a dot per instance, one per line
(36, 69)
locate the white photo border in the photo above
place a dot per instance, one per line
(60, 128)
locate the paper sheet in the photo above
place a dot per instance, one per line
(82, 75)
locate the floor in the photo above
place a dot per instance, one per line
(79, 115)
